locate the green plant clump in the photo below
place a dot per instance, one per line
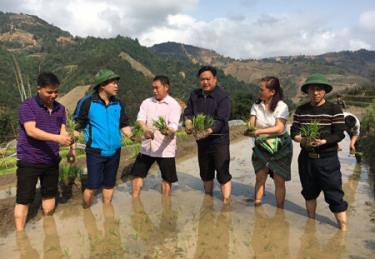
(202, 122)
(310, 131)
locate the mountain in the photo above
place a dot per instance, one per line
(346, 69)
(29, 45)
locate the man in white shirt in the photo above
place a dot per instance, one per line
(352, 127)
(159, 147)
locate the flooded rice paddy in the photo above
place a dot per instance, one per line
(193, 225)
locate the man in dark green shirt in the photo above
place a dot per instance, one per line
(318, 163)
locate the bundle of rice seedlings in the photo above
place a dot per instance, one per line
(68, 174)
(310, 131)
(71, 126)
(161, 125)
(250, 129)
(201, 122)
(137, 133)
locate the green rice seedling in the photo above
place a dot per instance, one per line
(137, 133)
(250, 129)
(71, 126)
(310, 131)
(161, 125)
(69, 173)
(201, 122)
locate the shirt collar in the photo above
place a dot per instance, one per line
(39, 101)
(165, 100)
(211, 93)
(97, 97)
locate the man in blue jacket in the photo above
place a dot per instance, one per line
(213, 150)
(103, 118)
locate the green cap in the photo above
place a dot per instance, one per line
(317, 79)
(105, 75)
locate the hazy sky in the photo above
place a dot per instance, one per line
(236, 28)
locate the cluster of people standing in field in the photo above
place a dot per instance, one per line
(103, 119)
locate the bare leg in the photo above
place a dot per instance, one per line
(20, 215)
(279, 191)
(226, 190)
(260, 181)
(137, 184)
(107, 195)
(208, 187)
(48, 206)
(88, 196)
(166, 188)
(311, 208)
(342, 220)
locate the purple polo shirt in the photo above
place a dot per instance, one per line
(33, 151)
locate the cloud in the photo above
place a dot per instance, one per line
(268, 35)
(255, 36)
(367, 20)
(101, 18)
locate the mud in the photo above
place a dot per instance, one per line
(193, 225)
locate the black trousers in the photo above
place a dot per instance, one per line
(322, 174)
(213, 158)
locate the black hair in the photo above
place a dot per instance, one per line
(339, 96)
(350, 121)
(207, 68)
(164, 80)
(47, 78)
(273, 83)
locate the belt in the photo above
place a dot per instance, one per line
(314, 155)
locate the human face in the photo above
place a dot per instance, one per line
(159, 90)
(48, 94)
(208, 81)
(316, 94)
(265, 94)
(111, 88)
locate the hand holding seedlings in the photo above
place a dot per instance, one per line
(188, 126)
(161, 125)
(138, 133)
(202, 126)
(250, 130)
(310, 135)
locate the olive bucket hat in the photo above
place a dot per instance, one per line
(317, 79)
(104, 75)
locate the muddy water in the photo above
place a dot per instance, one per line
(193, 225)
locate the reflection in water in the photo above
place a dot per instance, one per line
(107, 244)
(270, 235)
(213, 231)
(24, 246)
(350, 187)
(158, 242)
(51, 244)
(312, 247)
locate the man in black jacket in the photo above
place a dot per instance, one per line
(318, 163)
(213, 149)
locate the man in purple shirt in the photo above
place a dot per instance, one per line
(41, 130)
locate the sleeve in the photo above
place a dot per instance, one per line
(357, 127)
(26, 113)
(338, 126)
(282, 111)
(295, 128)
(222, 114)
(253, 111)
(188, 113)
(174, 117)
(141, 116)
(64, 116)
(82, 113)
(124, 119)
